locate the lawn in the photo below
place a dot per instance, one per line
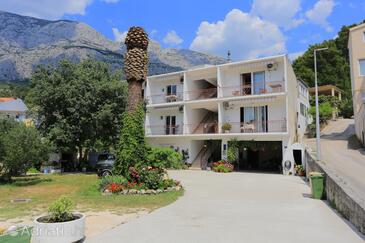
(81, 188)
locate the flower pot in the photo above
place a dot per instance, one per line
(70, 231)
(226, 131)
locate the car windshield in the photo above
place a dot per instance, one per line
(103, 157)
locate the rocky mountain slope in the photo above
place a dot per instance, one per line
(26, 42)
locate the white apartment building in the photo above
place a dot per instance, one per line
(356, 47)
(260, 100)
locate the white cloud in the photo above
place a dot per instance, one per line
(172, 39)
(110, 1)
(295, 55)
(281, 12)
(119, 36)
(47, 9)
(153, 33)
(320, 12)
(245, 35)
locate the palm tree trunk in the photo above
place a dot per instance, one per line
(134, 94)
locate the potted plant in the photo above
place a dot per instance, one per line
(60, 224)
(226, 127)
(300, 170)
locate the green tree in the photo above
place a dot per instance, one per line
(22, 147)
(78, 105)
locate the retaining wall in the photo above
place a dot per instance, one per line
(339, 194)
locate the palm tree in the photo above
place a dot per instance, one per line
(135, 64)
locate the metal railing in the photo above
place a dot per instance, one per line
(200, 94)
(165, 98)
(257, 89)
(272, 126)
(258, 126)
(164, 129)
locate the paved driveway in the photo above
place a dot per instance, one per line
(343, 154)
(237, 207)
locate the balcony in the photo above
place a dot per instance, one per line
(272, 126)
(257, 88)
(164, 129)
(165, 98)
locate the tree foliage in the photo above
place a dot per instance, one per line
(21, 147)
(132, 149)
(78, 105)
(333, 64)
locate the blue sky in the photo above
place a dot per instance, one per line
(249, 28)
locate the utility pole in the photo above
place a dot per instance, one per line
(318, 129)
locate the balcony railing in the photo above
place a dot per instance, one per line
(201, 94)
(202, 128)
(272, 126)
(164, 129)
(165, 98)
(258, 126)
(257, 89)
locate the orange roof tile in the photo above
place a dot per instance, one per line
(6, 99)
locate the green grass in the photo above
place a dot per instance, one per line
(82, 189)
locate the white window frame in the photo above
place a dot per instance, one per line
(361, 74)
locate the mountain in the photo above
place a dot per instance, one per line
(27, 42)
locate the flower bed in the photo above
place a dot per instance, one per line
(146, 181)
(222, 167)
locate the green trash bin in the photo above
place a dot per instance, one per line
(317, 184)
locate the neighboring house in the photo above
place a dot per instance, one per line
(329, 90)
(356, 47)
(13, 108)
(259, 99)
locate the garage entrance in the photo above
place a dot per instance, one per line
(262, 156)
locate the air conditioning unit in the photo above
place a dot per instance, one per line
(272, 66)
(181, 109)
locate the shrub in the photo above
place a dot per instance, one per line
(151, 177)
(107, 180)
(32, 170)
(60, 210)
(132, 149)
(164, 184)
(165, 158)
(346, 108)
(21, 148)
(325, 112)
(222, 166)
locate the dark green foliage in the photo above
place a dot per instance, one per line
(132, 149)
(333, 64)
(14, 90)
(78, 106)
(22, 147)
(151, 177)
(346, 108)
(166, 158)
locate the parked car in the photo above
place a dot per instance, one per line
(105, 163)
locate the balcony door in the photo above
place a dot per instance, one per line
(246, 84)
(254, 119)
(170, 125)
(259, 83)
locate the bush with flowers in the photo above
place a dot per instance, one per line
(144, 180)
(222, 167)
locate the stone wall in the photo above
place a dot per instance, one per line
(339, 194)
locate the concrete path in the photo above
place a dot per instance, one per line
(343, 154)
(238, 207)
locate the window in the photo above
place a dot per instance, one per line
(362, 67)
(259, 83)
(171, 125)
(303, 110)
(171, 90)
